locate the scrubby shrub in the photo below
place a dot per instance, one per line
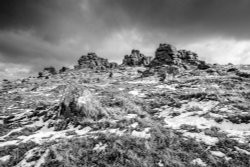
(122, 151)
(81, 103)
(17, 153)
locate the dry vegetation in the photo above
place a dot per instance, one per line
(83, 118)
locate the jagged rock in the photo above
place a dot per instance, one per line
(243, 74)
(188, 57)
(203, 66)
(167, 54)
(136, 59)
(166, 50)
(233, 69)
(113, 65)
(92, 61)
(47, 71)
(146, 73)
(63, 69)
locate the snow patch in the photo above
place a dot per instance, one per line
(5, 158)
(134, 92)
(199, 162)
(201, 137)
(7, 143)
(130, 116)
(165, 87)
(143, 82)
(134, 125)
(142, 134)
(100, 147)
(218, 154)
(116, 131)
(242, 151)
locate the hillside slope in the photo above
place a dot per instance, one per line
(86, 117)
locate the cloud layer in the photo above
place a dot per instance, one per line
(38, 33)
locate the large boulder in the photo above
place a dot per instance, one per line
(166, 54)
(136, 59)
(166, 51)
(187, 55)
(92, 61)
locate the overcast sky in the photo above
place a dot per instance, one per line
(38, 33)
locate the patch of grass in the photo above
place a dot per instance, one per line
(17, 152)
(123, 105)
(194, 108)
(81, 103)
(120, 151)
(165, 146)
(214, 132)
(238, 119)
(190, 128)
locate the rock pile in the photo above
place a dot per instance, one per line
(92, 61)
(136, 59)
(167, 54)
(47, 71)
(64, 69)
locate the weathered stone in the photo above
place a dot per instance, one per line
(187, 55)
(63, 69)
(47, 71)
(92, 61)
(136, 59)
(203, 65)
(167, 54)
(243, 74)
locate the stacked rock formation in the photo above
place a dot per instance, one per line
(167, 54)
(47, 71)
(136, 59)
(92, 61)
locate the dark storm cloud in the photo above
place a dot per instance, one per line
(184, 17)
(37, 32)
(44, 18)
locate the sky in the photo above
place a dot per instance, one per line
(39, 33)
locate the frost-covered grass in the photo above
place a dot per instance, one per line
(164, 147)
(83, 118)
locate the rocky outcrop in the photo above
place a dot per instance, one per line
(243, 74)
(64, 69)
(136, 59)
(167, 54)
(47, 71)
(92, 61)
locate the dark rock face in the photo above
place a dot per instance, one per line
(188, 56)
(47, 71)
(167, 54)
(243, 74)
(136, 59)
(166, 51)
(63, 69)
(92, 61)
(203, 66)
